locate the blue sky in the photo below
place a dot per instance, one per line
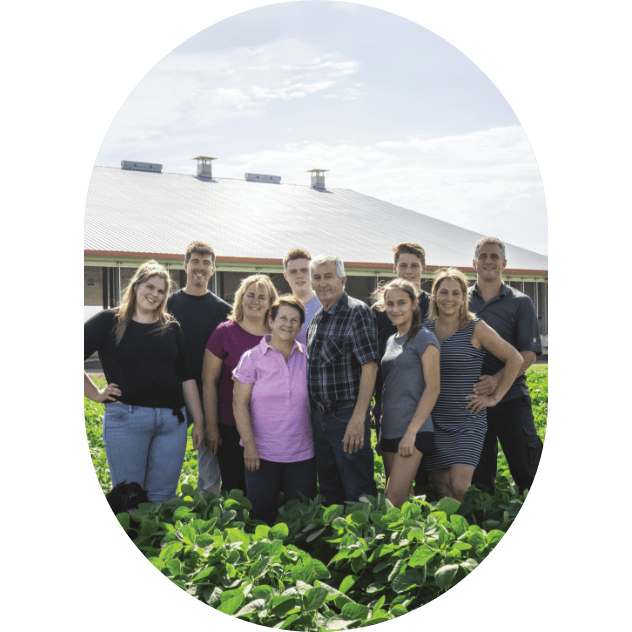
(391, 109)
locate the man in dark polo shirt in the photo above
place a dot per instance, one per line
(512, 315)
(410, 264)
(199, 311)
(341, 367)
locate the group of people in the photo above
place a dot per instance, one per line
(279, 388)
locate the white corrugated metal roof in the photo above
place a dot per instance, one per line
(132, 211)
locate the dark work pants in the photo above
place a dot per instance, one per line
(231, 459)
(264, 485)
(512, 424)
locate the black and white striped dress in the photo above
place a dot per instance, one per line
(458, 434)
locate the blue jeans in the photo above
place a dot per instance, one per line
(145, 446)
(264, 485)
(341, 475)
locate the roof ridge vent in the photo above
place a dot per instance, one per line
(204, 166)
(151, 167)
(318, 179)
(260, 177)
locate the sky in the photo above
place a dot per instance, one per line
(389, 108)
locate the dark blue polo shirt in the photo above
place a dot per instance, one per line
(511, 314)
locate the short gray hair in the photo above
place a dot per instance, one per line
(340, 266)
(489, 240)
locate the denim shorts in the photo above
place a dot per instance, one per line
(424, 442)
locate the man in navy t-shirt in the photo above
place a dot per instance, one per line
(199, 311)
(512, 315)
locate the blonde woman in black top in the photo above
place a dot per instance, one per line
(144, 360)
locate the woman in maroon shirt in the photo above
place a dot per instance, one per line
(246, 325)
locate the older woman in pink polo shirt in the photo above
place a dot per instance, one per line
(271, 410)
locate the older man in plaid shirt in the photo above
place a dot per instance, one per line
(341, 367)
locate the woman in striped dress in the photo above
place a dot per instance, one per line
(459, 416)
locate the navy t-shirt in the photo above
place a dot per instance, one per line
(198, 316)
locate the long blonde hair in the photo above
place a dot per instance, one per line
(466, 316)
(379, 296)
(127, 308)
(263, 280)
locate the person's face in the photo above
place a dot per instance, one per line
(326, 284)
(199, 269)
(449, 297)
(255, 301)
(286, 325)
(399, 307)
(151, 294)
(489, 263)
(409, 267)
(296, 273)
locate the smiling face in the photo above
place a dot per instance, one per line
(151, 294)
(296, 273)
(255, 302)
(449, 297)
(409, 267)
(489, 263)
(199, 270)
(399, 308)
(326, 284)
(286, 325)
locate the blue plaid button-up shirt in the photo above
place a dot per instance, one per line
(339, 341)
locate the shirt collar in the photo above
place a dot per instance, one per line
(264, 345)
(337, 305)
(504, 289)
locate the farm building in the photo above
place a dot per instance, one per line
(138, 212)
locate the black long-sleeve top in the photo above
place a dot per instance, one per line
(148, 367)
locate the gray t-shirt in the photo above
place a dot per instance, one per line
(404, 382)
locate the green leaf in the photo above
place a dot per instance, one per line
(476, 538)
(175, 567)
(181, 512)
(259, 568)
(286, 623)
(398, 610)
(392, 516)
(188, 534)
(281, 605)
(170, 550)
(379, 603)
(461, 546)
(347, 582)
(230, 594)
(124, 520)
(355, 611)
(231, 606)
(314, 598)
(261, 532)
(444, 575)
(357, 518)
(460, 524)
(416, 534)
(279, 531)
(262, 592)
(407, 581)
(320, 570)
(314, 535)
(203, 574)
(339, 623)
(332, 512)
(494, 537)
(253, 606)
(305, 571)
(469, 565)
(397, 569)
(422, 555)
(447, 504)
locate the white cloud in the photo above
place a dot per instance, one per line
(189, 93)
(486, 181)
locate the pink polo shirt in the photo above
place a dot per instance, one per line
(279, 406)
